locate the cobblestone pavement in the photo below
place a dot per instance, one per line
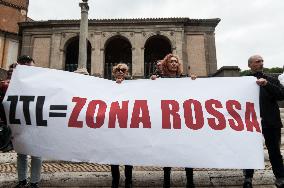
(91, 167)
(8, 165)
(79, 174)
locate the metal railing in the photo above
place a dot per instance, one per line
(73, 67)
(149, 68)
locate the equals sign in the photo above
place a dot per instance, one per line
(57, 107)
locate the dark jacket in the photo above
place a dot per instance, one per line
(268, 97)
(158, 73)
(2, 94)
(177, 76)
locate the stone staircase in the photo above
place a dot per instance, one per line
(69, 174)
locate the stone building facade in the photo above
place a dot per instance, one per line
(137, 42)
(11, 12)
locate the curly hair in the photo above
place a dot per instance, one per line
(120, 66)
(167, 60)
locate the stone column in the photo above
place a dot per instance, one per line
(138, 56)
(211, 60)
(97, 60)
(82, 60)
(55, 62)
(26, 45)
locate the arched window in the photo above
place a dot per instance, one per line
(117, 50)
(72, 53)
(156, 48)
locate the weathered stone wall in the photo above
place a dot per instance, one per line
(12, 52)
(195, 45)
(8, 51)
(210, 54)
(41, 51)
(196, 54)
(193, 54)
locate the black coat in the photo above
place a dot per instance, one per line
(268, 97)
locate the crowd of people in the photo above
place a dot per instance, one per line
(271, 91)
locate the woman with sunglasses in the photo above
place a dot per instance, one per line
(120, 73)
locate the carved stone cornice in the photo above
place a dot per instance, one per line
(121, 22)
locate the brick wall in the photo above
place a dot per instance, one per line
(19, 3)
(9, 18)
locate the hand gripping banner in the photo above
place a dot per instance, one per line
(177, 122)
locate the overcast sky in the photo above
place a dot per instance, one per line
(247, 27)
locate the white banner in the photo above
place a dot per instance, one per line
(177, 122)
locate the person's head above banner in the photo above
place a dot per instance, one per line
(25, 60)
(120, 72)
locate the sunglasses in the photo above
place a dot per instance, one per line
(120, 70)
(259, 61)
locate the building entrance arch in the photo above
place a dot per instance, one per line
(118, 49)
(156, 48)
(72, 53)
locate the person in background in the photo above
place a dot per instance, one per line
(171, 68)
(22, 159)
(158, 72)
(5, 131)
(270, 92)
(120, 73)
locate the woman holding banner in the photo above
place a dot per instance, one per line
(22, 159)
(120, 73)
(171, 68)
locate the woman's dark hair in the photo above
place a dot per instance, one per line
(23, 59)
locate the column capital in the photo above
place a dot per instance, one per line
(84, 7)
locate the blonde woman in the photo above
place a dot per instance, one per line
(120, 73)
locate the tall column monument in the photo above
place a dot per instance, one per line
(82, 59)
